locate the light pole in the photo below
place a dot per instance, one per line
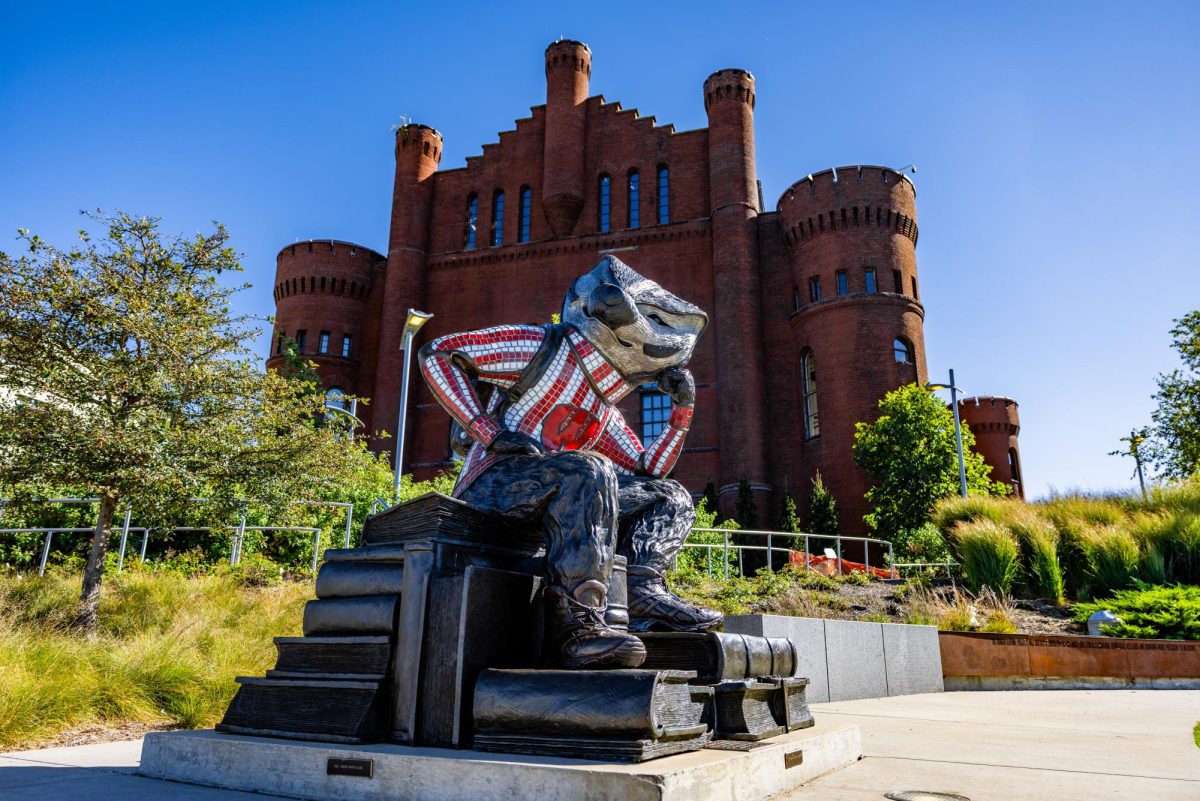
(412, 324)
(1135, 439)
(962, 465)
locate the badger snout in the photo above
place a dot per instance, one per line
(610, 305)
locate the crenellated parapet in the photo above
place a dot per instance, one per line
(729, 85)
(842, 198)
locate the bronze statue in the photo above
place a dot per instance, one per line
(544, 443)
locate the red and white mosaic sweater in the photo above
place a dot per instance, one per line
(569, 408)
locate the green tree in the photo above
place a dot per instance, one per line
(911, 454)
(789, 518)
(124, 374)
(1175, 448)
(822, 508)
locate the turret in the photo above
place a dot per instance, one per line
(323, 289)
(733, 194)
(418, 151)
(858, 327)
(568, 70)
(995, 423)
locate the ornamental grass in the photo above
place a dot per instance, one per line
(989, 555)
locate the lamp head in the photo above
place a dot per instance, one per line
(414, 321)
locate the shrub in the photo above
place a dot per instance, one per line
(1040, 541)
(988, 553)
(924, 544)
(1171, 613)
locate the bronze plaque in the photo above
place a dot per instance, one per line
(364, 768)
(793, 758)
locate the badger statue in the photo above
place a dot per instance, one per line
(544, 442)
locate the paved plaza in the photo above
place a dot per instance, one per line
(988, 746)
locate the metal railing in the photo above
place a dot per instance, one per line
(235, 551)
(773, 537)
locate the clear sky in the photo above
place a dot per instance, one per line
(1056, 145)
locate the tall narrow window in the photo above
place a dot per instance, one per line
(635, 200)
(664, 195)
(814, 289)
(656, 411)
(843, 283)
(795, 298)
(301, 336)
(870, 280)
(526, 206)
(898, 281)
(916, 294)
(498, 218)
(279, 345)
(347, 341)
(472, 221)
(902, 351)
(808, 395)
(605, 207)
(323, 342)
(1014, 467)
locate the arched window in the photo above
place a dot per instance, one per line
(635, 200)
(472, 220)
(664, 195)
(335, 398)
(808, 394)
(526, 206)
(902, 350)
(1014, 467)
(498, 218)
(605, 207)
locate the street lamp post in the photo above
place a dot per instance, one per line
(412, 324)
(962, 465)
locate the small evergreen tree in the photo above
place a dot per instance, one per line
(822, 508)
(746, 513)
(710, 498)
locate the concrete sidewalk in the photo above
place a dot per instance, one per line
(988, 746)
(1059, 745)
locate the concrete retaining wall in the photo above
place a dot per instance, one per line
(975, 661)
(845, 660)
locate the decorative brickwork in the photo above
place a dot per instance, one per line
(769, 279)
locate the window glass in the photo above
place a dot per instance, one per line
(808, 395)
(635, 200)
(605, 204)
(498, 219)
(301, 336)
(870, 280)
(346, 342)
(843, 283)
(656, 411)
(902, 351)
(814, 289)
(323, 343)
(526, 205)
(898, 281)
(472, 220)
(1014, 467)
(664, 196)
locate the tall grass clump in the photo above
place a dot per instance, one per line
(1039, 540)
(988, 553)
(1112, 557)
(167, 651)
(956, 509)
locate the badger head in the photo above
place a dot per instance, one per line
(639, 327)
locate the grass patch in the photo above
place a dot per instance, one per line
(989, 555)
(168, 650)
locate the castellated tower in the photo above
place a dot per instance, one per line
(850, 236)
(733, 197)
(327, 295)
(995, 424)
(568, 73)
(418, 151)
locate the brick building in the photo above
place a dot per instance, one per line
(815, 306)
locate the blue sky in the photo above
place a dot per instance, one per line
(1056, 145)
